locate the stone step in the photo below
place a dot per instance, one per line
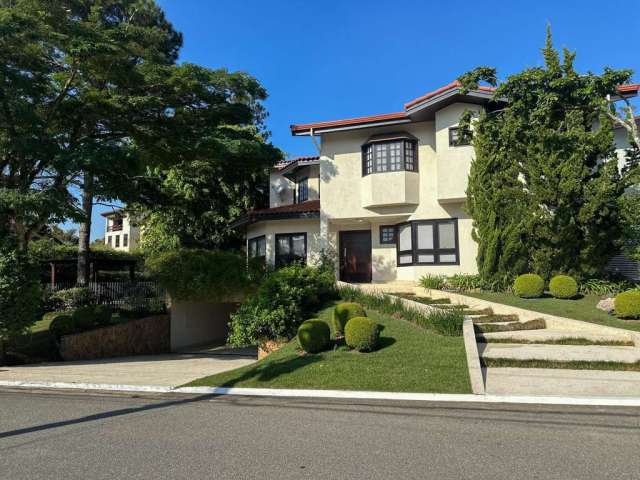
(559, 353)
(484, 328)
(546, 334)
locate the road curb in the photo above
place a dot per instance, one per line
(336, 394)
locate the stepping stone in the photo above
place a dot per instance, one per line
(560, 353)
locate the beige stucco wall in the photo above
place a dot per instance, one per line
(342, 184)
(286, 195)
(453, 163)
(270, 228)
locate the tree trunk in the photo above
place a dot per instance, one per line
(84, 232)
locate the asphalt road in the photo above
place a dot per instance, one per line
(74, 435)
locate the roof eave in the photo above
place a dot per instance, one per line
(337, 128)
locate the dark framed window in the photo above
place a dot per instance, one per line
(389, 156)
(117, 241)
(303, 190)
(458, 140)
(109, 240)
(428, 242)
(387, 234)
(291, 248)
(257, 247)
(125, 240)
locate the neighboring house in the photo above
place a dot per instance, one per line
(385, 195)
(121, 233)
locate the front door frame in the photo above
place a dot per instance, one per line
(343, 252)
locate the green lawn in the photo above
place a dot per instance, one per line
(410, 359)
(580, 309)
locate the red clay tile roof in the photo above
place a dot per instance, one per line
(349, 121)
(631, 88)
(284, 211)
(438, 91)
(286, 163)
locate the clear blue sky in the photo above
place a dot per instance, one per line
(329, 60)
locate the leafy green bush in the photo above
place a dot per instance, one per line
(20, 294)
(314, 335)
(281, 303)
(464, 282)
(62, 325)
(563, 286)
(201, 275)
(627, 304)
(436, 282)
(343, 313)
(103, 314)
(362, 334)
(71, 298)
(446, 321)
(598, 286)
(84, 317)
(529, 285)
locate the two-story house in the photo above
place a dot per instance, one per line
(385, 195)
(120, 231)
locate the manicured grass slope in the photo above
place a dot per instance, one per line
(410, 359)
(580, 309)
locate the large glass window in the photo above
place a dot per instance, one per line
(257, 248)
(290, 248)
(428, 242)
(389, 156)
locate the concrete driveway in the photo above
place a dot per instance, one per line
(170, 370)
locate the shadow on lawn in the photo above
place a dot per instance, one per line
(269, 370)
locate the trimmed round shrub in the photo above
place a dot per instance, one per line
(563, 286)
(627, 304)
(103, 314)
(314, 335)
(84, 318)
(343, 313)
(62, 325)
(362, 334)
(529, 285)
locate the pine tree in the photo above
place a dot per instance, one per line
(544, 187)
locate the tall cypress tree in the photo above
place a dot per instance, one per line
(544, 186)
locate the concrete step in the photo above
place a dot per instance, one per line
(558, 381)
(559, 353)
(550, 335)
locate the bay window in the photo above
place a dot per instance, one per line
(390, 153)
(291, 248)
(257, 248)
(428, 242)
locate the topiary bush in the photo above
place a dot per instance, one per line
(563, 286)
(627, 304)
(529, 285)
(103, 314)
(314, 335)
(362, 334)
(62, 325)
(343, 312)
(84, 318)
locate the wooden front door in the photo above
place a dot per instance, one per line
(355, 256)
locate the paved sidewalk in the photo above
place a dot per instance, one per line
(162, 370)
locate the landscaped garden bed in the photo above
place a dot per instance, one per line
(409, 358)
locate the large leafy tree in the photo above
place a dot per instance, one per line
(93, 102)
(544, 187)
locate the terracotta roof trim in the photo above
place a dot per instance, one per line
(286, 163)
(308, 209)
(350, 121)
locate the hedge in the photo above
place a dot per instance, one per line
(362, 334)
(529, 285)
(563, 286)
(314, 335)
(343, 312)
(627, 304)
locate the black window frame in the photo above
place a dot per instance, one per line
(290, 258)
(125, 240)
(255, 240)
(436, 251)
(382, 237)
(117, 241)
(302, 182)
(370, 165)
(456, 142)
